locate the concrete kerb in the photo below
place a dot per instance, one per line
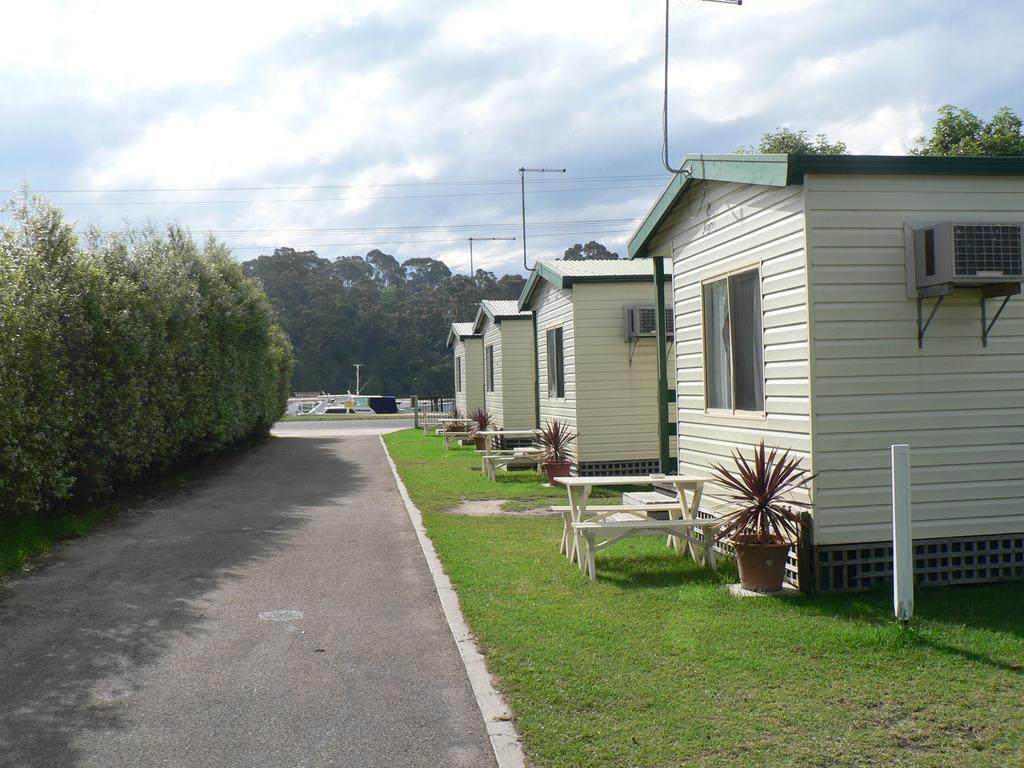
(505, 740)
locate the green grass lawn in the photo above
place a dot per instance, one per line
(657, 665)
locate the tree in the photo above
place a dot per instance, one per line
(592, 250)
(425, 272)
(961, 132)
(786, 141)
(391, 317)
(387, 271)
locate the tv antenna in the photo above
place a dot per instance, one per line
(664, 108)
(522, 194)
(472, 272)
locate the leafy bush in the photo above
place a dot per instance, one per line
(122, 355)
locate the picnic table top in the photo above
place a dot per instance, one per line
(571, 482)
(507, 432)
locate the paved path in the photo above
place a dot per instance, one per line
(279, 613)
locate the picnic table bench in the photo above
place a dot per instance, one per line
(584, 523)
(491, 458)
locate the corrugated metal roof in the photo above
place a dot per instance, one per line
(564, 274)
(462, 329)
(502, 308)
(601, 268)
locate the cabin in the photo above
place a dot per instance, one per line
(510, 363)
(468, 364)
(597, 362)
(838, 305)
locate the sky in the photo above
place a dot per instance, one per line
(344, 125)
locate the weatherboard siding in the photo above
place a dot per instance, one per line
(958, 404)
(515, 384)
(554, 308)
(517, 374)
(470, 352)
(722, 227)
(493, 400)
(616, 397)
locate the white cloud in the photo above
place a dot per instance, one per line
(107, 49)
(364, 92)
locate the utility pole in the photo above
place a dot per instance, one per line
(522, 195)
(472, 272)
(357, 367)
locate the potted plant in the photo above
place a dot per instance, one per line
(481, 421)
(763, 524)
(554, 439)
(456, 421)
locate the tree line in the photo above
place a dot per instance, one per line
(390, 316)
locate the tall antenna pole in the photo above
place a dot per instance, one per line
(522, 196)
(664, 109)
(358, 366)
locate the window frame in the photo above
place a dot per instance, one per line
(556, 377)
(733, 411)
(458, 374)
(489, 367)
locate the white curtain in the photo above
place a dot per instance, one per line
(717, 340)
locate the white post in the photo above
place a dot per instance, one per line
(902, 539)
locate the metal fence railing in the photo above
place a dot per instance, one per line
(428, 411)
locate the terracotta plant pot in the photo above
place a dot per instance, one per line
(555, 469)
(481, 443)
(762, 566)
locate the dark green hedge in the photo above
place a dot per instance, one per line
(122, 355)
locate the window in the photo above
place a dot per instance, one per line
(556, 364)
(458, 374)
(733, 343)
(489, 365)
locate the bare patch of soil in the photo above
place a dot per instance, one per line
(495, 508)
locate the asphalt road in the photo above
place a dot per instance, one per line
(277, 613)
(339, 428)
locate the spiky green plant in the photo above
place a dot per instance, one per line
(554, 438)
(761, 494)
(480, 421)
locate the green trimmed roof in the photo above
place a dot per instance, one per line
(498, 310)
(785, 170)
(460, 331)
(565, 274)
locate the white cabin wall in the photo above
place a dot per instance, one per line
(516, 374)
(492, 335)
(616, 398)
(553, 308)
(959, 405)
(719, 228)
(470, 350)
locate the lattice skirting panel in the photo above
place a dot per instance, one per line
(624, 467)
(937, 562)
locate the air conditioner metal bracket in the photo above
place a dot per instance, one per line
(994, 292)
(941, 291)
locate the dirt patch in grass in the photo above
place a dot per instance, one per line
(498, 508)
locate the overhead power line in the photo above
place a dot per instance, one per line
(112, 203)
(392, 229)
(311, 246)
(351, 185)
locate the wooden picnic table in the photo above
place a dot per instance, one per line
(490, 457)
(583, 522)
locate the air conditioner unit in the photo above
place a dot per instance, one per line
(944, 256)
(641, 322)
